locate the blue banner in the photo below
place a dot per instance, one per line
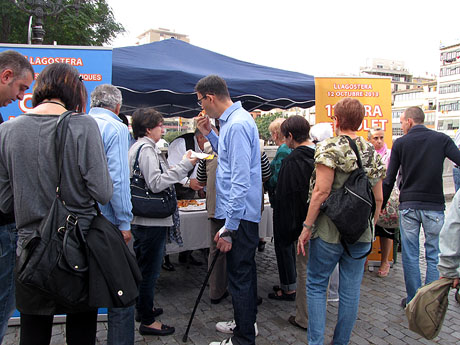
(93, 63)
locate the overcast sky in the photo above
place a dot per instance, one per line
(318, 37)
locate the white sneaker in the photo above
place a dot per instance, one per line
(229, 326)
(223, 342)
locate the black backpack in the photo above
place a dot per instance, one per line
(351, 207)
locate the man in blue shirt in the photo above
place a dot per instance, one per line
(105, 106)
(239, 196)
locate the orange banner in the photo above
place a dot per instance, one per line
(373, 93)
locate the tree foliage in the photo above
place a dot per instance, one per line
(263, 122)
(171, 135)
(92, 25)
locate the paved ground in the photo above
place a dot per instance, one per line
(380, 320)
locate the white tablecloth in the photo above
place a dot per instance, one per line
(195, 229)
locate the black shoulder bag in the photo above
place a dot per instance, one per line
(351, 207)
(145, 202)
(54, 258)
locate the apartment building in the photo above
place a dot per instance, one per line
(406, 90)
(448, 103)
(424, 96)
(401, 78)
(160, 34)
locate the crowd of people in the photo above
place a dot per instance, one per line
(101, 156)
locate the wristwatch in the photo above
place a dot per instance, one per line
(227, 233)
(309, 227)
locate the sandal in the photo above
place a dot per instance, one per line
(276, 288)
(283, 297)
(382, 273)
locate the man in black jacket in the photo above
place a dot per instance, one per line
(420, 155)
(16, 75)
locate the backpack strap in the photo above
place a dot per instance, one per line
(345, 246)
(354, 147)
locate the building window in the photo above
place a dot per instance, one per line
(446, 71)
(449, 106)
(450, 88)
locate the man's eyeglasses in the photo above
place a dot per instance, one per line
(333, 117)
(199, 102)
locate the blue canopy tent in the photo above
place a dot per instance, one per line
(163, 75)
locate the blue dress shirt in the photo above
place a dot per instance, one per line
(238, 177)
(116, 137)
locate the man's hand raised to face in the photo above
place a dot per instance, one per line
(204, 124)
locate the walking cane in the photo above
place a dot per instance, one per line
(185, 337)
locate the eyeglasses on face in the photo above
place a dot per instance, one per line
(199, 102)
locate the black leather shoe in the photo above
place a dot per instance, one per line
(403, 303)
(293, 322)
(168, 266)
(218, 300)
(193, 261)
(156, 312)
(165, 330)
(261, 246)
(259, 300)
(183, 256)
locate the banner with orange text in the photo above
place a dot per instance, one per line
(373, 93)
(93, 63)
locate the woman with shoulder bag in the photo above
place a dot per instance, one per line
(29, 169)
(335, 160)
(150, 233)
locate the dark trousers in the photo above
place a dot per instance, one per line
(285, 254)
(80, 328)
(242, 282)
(286, 257)
(149, 244)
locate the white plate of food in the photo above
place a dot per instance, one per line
(191, 205)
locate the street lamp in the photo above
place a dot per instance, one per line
(41, 8)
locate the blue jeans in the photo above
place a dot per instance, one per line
(149, 244)
(410, 221)
(120, 326)
(242, 282)
(8, 238)
(322, 260)
(456, 175)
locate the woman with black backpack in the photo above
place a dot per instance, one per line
(335, 160)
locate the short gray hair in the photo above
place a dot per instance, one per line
(106, 96)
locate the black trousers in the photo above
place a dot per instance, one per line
(80, 329)
(242, 281)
